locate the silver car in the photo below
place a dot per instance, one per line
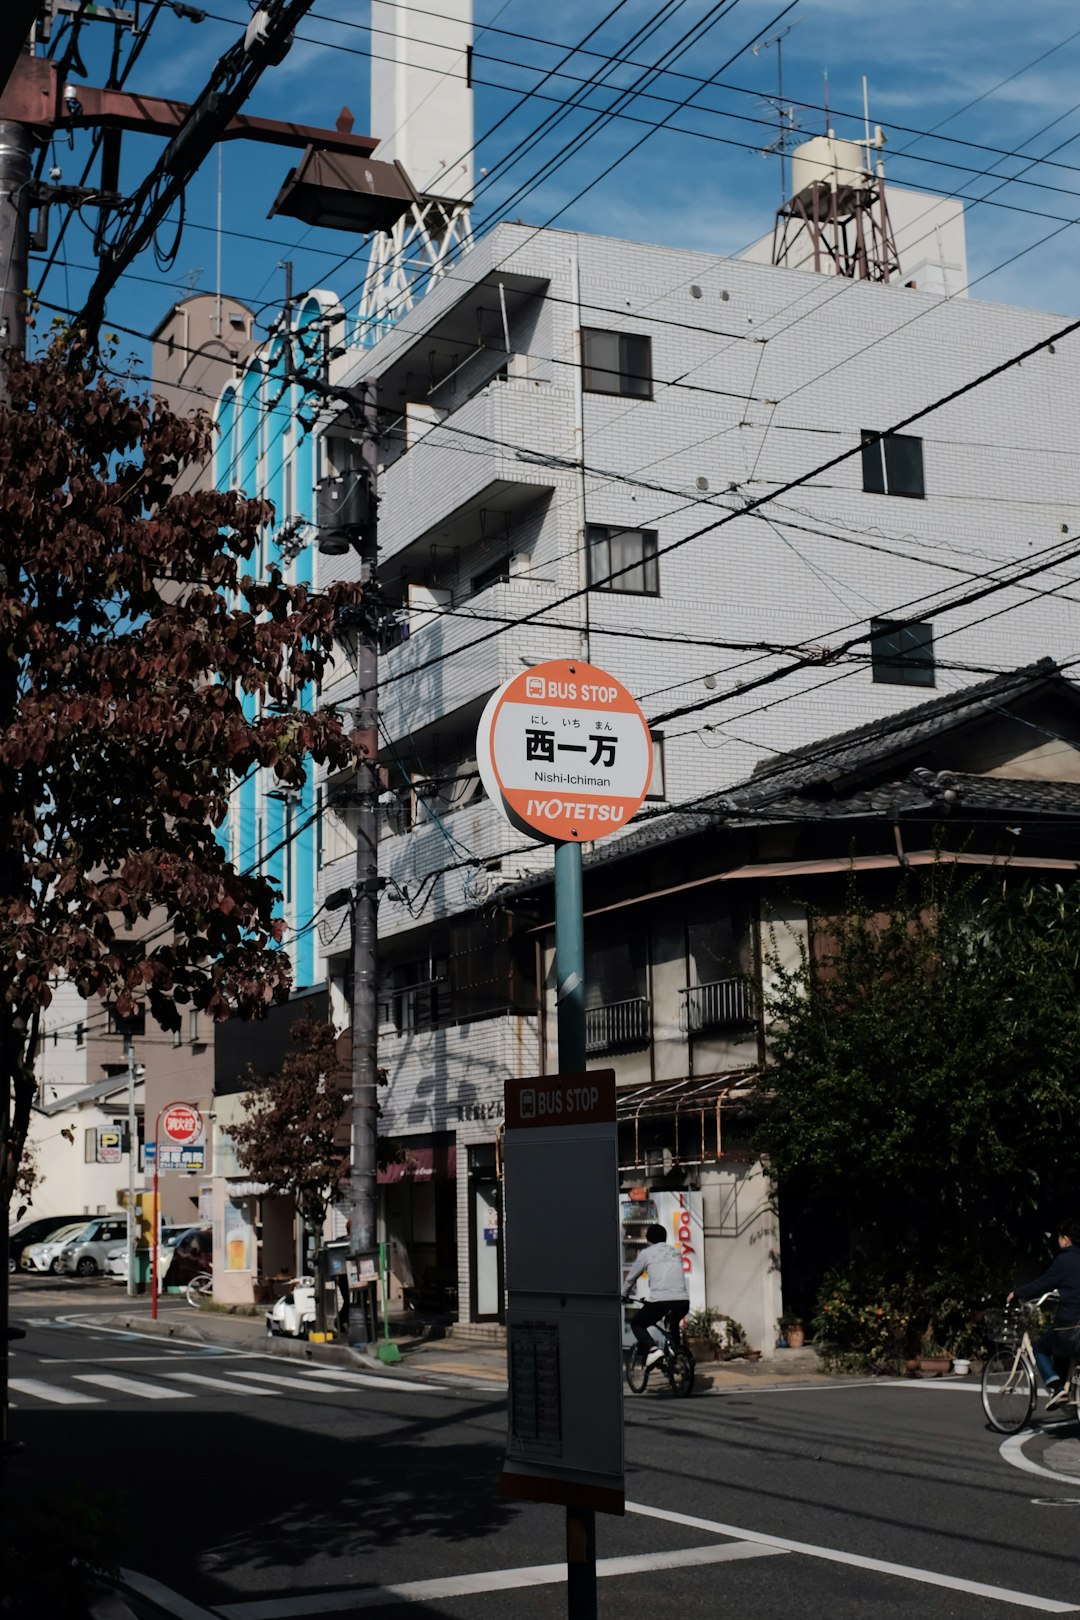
(87, 1253)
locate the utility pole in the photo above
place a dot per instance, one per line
(347, 520)
(15, 150)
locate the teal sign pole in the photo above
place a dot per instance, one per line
(565, 753)
(570, 1006)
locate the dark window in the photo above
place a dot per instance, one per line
(616, 362)
(623, 560)
(902, 654)
(497, 573)
(421, 998)
(892, 465)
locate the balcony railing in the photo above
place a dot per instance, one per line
(718, 1005)
(618, 1026)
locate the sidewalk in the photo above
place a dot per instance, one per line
(446, 1358)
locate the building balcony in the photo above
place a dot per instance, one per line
(465, 674)
(618, 1026)
(723, 1004)
(481, 459)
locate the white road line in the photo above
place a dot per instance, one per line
(369, 1380)
(168, 1601)
(492, 1580)
(53, 1392)
(131, 1386)
(308, 1385)
(879, 1566)
(234, 1386)
(116, 1361)
(1013, 1452)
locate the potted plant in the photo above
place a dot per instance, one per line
(934, 1359)
(699, 1331)
(792, 1330)
(731, 1339)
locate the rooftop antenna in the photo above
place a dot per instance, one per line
(217, 267)
(785, 114)
(828, 114)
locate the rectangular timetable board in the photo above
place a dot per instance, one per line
(563, 1274)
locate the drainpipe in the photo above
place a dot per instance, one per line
(579, 448)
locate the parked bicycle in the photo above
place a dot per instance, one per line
(199, 1288)
(676, 1365)
(1010, 1379)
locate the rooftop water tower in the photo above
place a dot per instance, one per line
(422, 115)
(837, 217)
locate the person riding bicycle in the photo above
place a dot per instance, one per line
(1052, 1356)
(667, 1292)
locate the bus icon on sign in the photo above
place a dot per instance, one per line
(535, 687)
(527, 1102)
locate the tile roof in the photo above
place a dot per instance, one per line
(821, 780)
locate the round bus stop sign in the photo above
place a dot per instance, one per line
(181, 1123)
(565, 752)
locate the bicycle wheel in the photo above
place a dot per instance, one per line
(637, 1374)
(682, 1372)
(1008, 1391)
(199, 1289)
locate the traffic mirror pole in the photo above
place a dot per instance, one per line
(570, 1009)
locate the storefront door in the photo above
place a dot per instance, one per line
(485, 1232)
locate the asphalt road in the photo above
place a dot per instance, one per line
(253, 1488)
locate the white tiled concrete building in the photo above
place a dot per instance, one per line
(561, 406)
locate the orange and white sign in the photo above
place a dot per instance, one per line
(564, 750)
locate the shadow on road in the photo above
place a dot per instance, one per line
(213, 1504)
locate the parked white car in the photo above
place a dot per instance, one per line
(85, 1253)
(42, 1256)
(116, 1264)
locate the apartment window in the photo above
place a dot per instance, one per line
(656, 788)
(178, 1037)
(622, 560)
(616, 363)
(902, 654)
(421, 995)
(892, 465)
(194, 1026)
(497, 573)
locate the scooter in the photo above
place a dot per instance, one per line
(293, 1315)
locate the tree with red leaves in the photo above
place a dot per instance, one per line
(295, 1137)
(131, 644)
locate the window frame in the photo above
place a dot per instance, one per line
(654, 794)
(649, 563)
(593, 373)
(911, 662)
(879, 467)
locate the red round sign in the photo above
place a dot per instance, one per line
(182, 1123)
(564, 750)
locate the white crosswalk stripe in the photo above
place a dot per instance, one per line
(133, 1386)
(56, 1393)
(307, 1381)
(368, 1380)
(234, 1386)
(308, 1385)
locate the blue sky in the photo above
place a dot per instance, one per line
(954, 85)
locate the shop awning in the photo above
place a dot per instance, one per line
(422, 1161)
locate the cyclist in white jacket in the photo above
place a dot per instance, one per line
(667, 1292)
